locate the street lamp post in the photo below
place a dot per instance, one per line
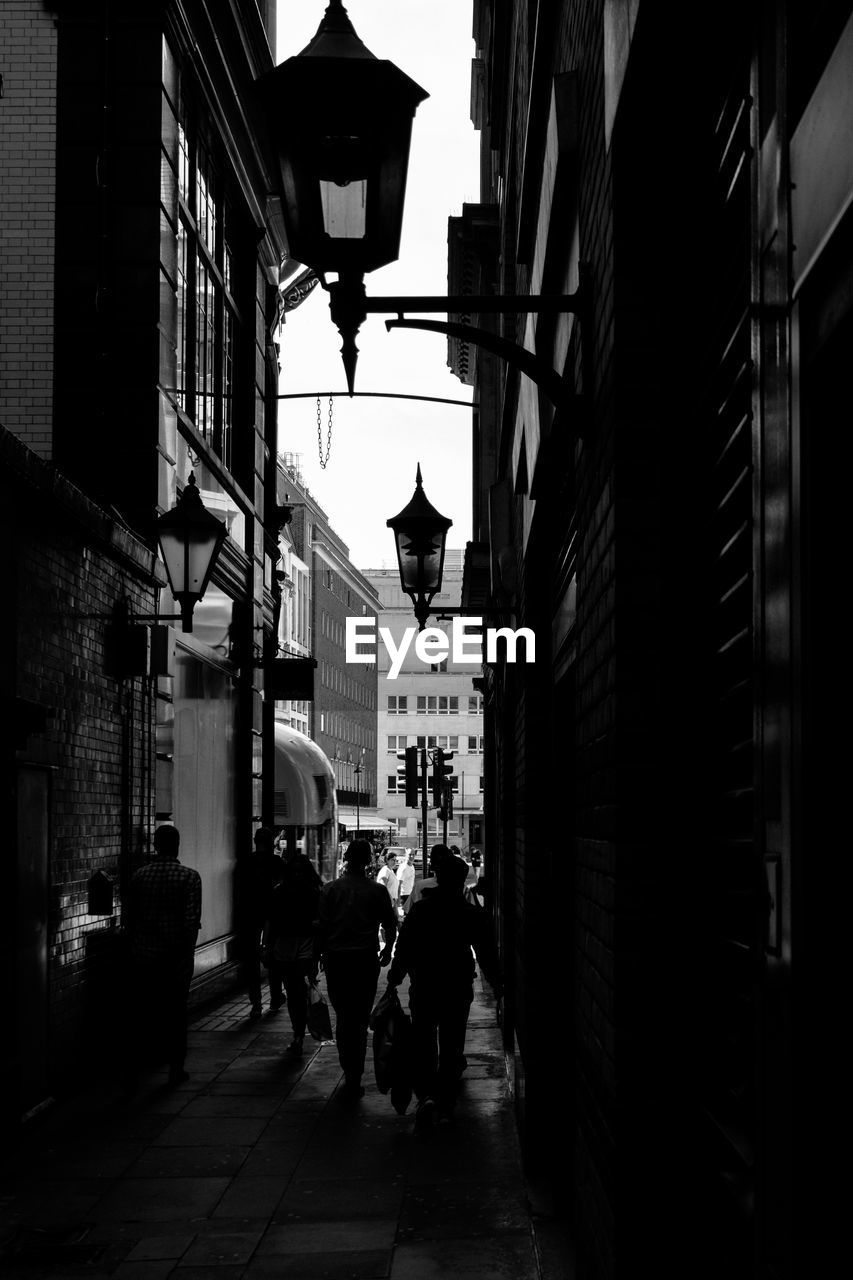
(357, 771)
(340, 123)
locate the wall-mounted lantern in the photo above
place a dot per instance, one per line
(190, 541)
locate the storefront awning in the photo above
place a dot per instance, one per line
(304, 781)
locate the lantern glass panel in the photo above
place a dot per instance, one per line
(174, 558)
(189, 559)
(201, 549)
(420, 562)
(344, 209)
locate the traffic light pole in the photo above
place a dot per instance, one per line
(424, 795)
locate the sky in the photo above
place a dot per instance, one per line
(377, 443)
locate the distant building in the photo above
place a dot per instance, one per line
(321, 589)
(428, 706)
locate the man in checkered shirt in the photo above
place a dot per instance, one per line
(163, 917)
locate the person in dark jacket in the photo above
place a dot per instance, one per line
(162, 918)
(435, 949)
(290, 938)
(352, 909)
(428, 883)
(254, 876)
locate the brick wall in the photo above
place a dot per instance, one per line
(72, 560)
(27, 208)
(595, 845)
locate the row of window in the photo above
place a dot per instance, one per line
(433, 705)
(397, 786)
(398, 827)
(333, 677)
(339, 726)
(346, 779)
(447, 742)
(336, 584)
(332, 628)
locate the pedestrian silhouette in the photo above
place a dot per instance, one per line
(406, 876)
(428, 883)
(255, 873)
(435, 949)
(163, 916)
(387, 876)
(352, 909)
(290, 939)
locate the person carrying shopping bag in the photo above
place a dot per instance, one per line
(435, 949)
(352, 910)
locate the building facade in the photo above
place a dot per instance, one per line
(341, 717)
(141, 261)
(666, 528)
(427, 706)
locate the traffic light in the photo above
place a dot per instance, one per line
(440, 772)
(407, 774)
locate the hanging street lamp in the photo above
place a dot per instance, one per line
(341, 123)
(420, 533)
(190, 541)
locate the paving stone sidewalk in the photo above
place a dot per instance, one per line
(257, 1167)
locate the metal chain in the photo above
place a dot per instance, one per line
(324, 462)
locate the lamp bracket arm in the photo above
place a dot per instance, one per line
(494, 304)
(125, 617)
(554, 386)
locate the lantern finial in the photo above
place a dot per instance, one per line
(336, 37)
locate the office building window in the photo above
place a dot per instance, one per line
(397, 706)
(437, 705)
(435, 827)
(475, 705)
(475, 744)
(396, 742)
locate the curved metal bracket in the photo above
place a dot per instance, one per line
(559, 392)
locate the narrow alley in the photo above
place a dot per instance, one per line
(257, 1167)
